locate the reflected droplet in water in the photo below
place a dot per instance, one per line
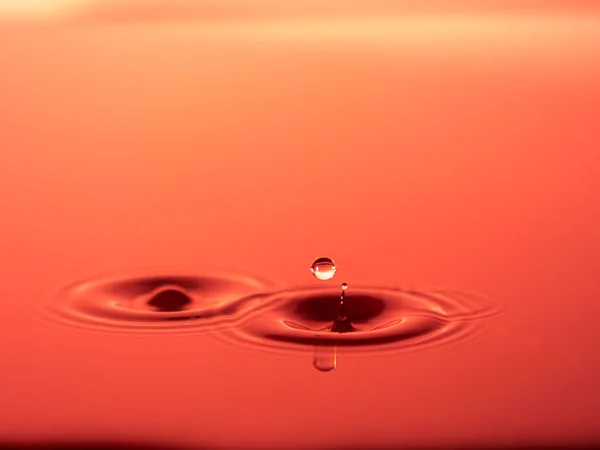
(323, 268)
(325, 358)
(167, 300)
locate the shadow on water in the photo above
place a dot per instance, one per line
(574, 446)
(74, 445)
(104, 445)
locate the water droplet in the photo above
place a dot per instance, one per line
(325, 358)
(323, 268)
(342, 314)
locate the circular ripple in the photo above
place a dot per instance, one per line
(375, 318)
(161, 300)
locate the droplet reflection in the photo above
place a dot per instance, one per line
(325, 358)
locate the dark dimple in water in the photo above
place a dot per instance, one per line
(359, 308)
(246, 310)
(164, 301)
(373, 319)
(170, 300)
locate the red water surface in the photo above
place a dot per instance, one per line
(422, 148)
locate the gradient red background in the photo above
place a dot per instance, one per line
(446, 146)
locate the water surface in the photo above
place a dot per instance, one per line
(457, 151)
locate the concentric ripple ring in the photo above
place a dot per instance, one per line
(158, 300)
(376, 319)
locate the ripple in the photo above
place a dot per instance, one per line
(165, 300)
(375, 319)
(249, 311)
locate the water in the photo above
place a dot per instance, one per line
(325, 358)
(169, 299)
(159, 300)
(488, 192)
(373, 320)
(323, 268)
(342, 311)
(250, 311)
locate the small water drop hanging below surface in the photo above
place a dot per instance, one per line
(323, 268)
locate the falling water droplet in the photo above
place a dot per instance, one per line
(323, 268)
(325, 358)
(342, 312)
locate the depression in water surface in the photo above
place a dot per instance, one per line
(246, 310)
(373, 318)
(164, 300)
